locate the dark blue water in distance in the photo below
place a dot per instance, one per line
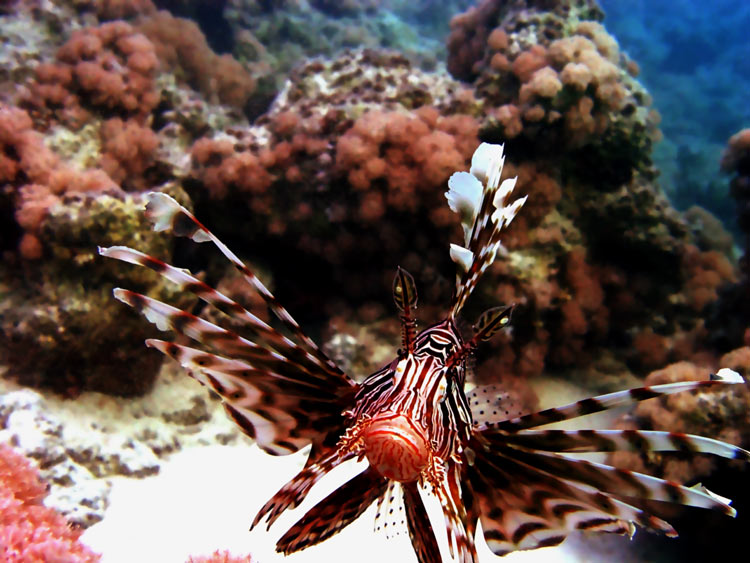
(695, 61)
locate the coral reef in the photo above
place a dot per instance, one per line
(302, 141)
(182, 48)
(281, 34)
(339, 162)
(345, 173)
(555, 81)
(108, 69)
(30, 531)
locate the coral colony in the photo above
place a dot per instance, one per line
(411, 419)
(322, 136)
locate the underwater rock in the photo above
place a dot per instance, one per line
(58, 323)
(81, 445)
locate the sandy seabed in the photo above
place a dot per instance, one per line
(205, 498)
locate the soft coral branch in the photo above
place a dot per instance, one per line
(29, 531)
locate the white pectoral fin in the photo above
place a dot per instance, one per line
(462, 256)
(728, 376)
(485, 159)
(465, 198)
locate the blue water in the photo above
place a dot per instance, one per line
(695, 61)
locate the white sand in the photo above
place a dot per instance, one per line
(205, 498)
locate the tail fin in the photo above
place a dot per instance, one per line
(480, 200)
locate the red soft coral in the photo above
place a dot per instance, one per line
(29, 531)
(35, 177)
(111, 68)
(127, 151)
(182, 47)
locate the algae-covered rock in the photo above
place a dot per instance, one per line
(60, 326)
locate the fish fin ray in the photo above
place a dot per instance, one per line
(603, 402)
(480, 201)
(166, 214)
(420, 529)
(333, 513)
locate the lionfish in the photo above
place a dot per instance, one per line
(412, 420)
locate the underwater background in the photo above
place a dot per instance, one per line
(316, 138)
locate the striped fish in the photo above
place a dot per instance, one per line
(412, 420)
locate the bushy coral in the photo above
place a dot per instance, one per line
(182, 47)
(326, 177)
(551, 77)
(35, 178)
(110, 69)
(128, 151)
(29, 531)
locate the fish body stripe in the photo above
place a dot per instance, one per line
(422, 387)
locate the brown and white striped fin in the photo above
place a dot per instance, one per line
(529, 493)
(255, 327)
(418, 523)
(295, 490)
(166, 214)
(281, 413)
(280, 403)
(581, 441)
(480, 200)
(334, 513)
(224, 342)
(616, 482)
(460, 542)
(612, 400)
(522, 507)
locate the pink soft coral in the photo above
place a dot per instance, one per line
(110, 68)
(220, 557)
(29, 531)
